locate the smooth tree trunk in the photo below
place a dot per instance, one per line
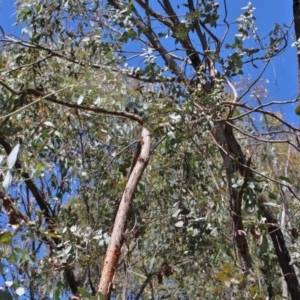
(116, 241)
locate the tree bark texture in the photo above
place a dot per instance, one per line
(116, 240)
(234, 159)
(232, 155)
(281, 251)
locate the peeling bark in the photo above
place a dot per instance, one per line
(116, 241)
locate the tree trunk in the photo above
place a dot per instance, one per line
(116, 241)
(281, 251)
(232, 155)
(234, 159)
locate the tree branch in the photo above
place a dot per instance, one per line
(281, 251)
(184, 41)
(170, 62)
(53, 99)
(224, 137)
(43, 205)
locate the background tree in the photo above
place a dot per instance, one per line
(134, 134)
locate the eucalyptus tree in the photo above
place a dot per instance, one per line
(142, 168)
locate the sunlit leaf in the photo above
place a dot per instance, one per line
(271, 204)
(179, 224)
(49, 123)
(80, 99)
(12, 157)
(9, 283)
(20, 291)
(7, 180)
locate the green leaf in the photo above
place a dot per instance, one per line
(84, 293)
(284, 178)
(264, 245)
(6, 237)
(101, 297)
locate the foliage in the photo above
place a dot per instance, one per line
(220, 187)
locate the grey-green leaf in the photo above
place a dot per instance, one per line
(12, 157)
(7, 180)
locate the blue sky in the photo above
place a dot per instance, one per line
(7, 15)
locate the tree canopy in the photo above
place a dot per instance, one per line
(138, 160)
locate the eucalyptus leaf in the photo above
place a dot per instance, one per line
(84, 293)
(179, 224)
(49, 124)
(9, 283)
(7, 180)
(20, 291)
(12, 157)
(80, 99)
(6, 237)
